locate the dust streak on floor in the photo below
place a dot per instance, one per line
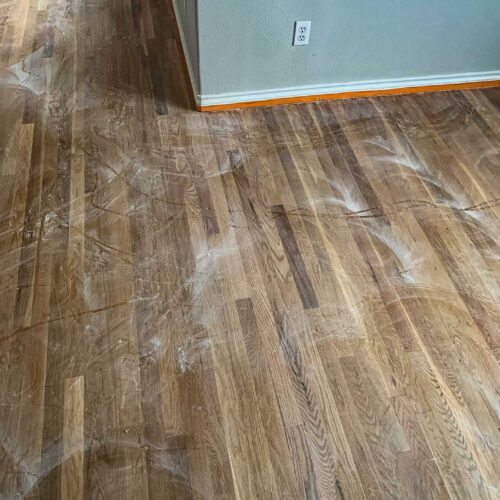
(291, 302)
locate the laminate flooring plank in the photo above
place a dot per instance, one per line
(285, 302)
(73, 440)
(442, 343)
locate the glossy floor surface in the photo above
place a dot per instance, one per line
(292, 302)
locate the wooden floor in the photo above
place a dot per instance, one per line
(292, 302)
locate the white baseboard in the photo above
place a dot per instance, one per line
(336, 88)
(189, 64)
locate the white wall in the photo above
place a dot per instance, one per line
(245, 45)
(187, 19)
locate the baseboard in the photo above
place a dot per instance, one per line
(310, 93)
(185, 59)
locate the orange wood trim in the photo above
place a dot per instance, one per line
(350, 95)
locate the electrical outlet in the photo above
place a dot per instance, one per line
(302, 30)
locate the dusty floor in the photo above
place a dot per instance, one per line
(296, 302)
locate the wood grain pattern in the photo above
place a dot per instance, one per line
(296, 302)
(72, 465)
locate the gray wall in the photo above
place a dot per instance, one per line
(245, 45)
(188, 24)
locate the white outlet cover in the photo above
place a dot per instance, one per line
(301, 33)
